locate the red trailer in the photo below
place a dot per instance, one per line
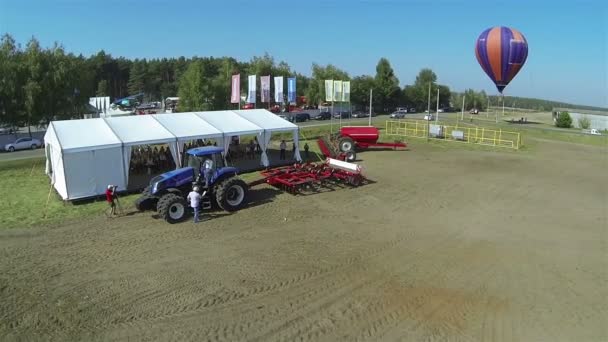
(351, 138)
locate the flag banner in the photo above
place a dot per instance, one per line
(252, 89)
(265, 85)
(337, 91)
(236, 89)
(291, 90)
(329, 90)
(346, 91)
(278, 89)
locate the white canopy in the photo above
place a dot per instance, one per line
(84, 156)
(83, 135)
(271, 123)
(140, 130)
(230, 123)
(266, 120)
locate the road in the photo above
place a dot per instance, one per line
(18, 155)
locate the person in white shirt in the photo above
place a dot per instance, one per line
(208, 171)
(195, 200)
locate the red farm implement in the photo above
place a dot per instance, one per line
(362, 137)
(311, 177)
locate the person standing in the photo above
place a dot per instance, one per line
(208, 171)
(283, 147)
(195, 200)
(306, 147)
(110, 195)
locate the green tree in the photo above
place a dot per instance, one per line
(102, 88)
(387, 92)
(359, 90)
(316, 89)
(425, 76)
(194, 89)
(584, 122)
(563, 120)
(12, 80)
(137, 77)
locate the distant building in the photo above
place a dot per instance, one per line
(597, 119)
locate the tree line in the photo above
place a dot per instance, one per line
(39, 84)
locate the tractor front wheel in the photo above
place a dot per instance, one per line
(346, 144)
(173, 208)
(146, 202)
(231, 194)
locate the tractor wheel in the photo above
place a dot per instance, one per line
(231, 194)
(146, 202)
(173, 208)
(351, 156)
(346, 144)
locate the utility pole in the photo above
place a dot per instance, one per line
(371, 91)
(437, 114)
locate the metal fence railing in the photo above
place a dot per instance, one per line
(471, 135)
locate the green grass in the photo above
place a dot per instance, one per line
(26, 189)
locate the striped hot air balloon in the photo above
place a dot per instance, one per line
(501, 52)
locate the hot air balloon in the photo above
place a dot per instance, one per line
(501, 52)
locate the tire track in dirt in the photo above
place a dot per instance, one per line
(268, 288)
(301, 282)
(306, 299)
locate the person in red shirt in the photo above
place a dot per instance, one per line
(110, 195)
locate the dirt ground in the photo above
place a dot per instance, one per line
(444, 245)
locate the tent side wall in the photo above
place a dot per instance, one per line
(88, 173)
(57, 172)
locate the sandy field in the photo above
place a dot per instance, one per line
(444, 245)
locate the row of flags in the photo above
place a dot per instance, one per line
(337, 91)
(265, 86)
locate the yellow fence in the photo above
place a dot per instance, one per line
(472, 135)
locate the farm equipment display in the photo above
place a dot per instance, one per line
(167, 192)
(311, 177)
(351, 138)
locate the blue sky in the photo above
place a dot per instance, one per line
(568, 40)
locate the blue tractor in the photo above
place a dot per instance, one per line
(167, 192)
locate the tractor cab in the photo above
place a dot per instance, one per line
(200, 158)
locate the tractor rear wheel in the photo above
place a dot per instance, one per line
(346, 144)
(146, 202)
(173, 208)
(351, 156)
(231, 194)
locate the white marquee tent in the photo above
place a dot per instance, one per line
(271, 123)
(84, 156)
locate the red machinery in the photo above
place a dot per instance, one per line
(362, 137)
(311, 177)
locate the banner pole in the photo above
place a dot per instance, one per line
(371, 91)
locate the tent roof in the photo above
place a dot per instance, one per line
(187, 126)
(139, 130)
(89, 134)
(266, 120)
(229, 122)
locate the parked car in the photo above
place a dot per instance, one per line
(398, 115)
(429, 117)
(412, 110)
(474, 111)
(23, 144)
(344, 115)
(360, 114)
(300, 117)
(323, 116)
